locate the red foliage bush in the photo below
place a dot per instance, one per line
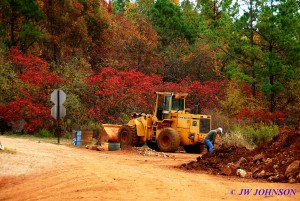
(264, 116)
(36, 115)
(208, 94)
(32, 69)
(114, 94)
(32, 101)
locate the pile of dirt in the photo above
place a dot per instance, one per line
(277, 160)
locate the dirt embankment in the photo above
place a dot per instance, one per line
(277, 160)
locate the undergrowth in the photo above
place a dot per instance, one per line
(250, 136)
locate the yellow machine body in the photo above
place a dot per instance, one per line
(192, 128)
(171, 117)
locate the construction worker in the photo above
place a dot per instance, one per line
(210, 138)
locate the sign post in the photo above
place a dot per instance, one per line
(58, 111)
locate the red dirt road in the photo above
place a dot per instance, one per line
(43, 171)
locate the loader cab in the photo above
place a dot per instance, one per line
(167, 102)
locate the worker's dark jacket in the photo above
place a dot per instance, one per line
(211, 136)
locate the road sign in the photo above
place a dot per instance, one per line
(58, 97)
(62, 112)
(57, 93)
(58, 111)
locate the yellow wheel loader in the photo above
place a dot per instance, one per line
(171, 125)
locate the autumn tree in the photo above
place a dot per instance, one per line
(73, 74)
(101, 28)
(9, 81)
(175, 35)
(131, 42)
(146, 40)
(65, 30)
(113, 95)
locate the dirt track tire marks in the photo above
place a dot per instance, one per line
(60, 172)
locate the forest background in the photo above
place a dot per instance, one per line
(238, 60)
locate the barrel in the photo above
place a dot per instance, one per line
(86, 138)
(111, 146)
(78, 138)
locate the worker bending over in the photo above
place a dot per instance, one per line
(210, 138)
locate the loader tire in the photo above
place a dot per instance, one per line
(127, 136)
(196, 149)
(168, 140)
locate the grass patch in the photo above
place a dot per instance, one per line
(52, 140)
(8, 151)
(43, 133)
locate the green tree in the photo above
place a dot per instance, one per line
(264, 52)
(211, 11)
(19, 23)
(242, 46)
(178, 29)
(279, 40)
(119, 6)
(169, 23)
(198, 59)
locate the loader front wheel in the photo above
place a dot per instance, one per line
(128, 136)
(168, 140)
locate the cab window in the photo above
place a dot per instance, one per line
(177, 104)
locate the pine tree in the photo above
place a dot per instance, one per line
(19, 23)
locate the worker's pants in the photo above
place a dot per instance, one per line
(209, 145)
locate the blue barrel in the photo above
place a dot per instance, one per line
(78, 138)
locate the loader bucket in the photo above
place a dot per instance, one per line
(109, 133)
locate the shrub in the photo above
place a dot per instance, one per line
(259, 133)
(236, 139)
(43, 133)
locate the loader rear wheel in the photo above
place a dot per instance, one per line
(168, 140)
(128, 136)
